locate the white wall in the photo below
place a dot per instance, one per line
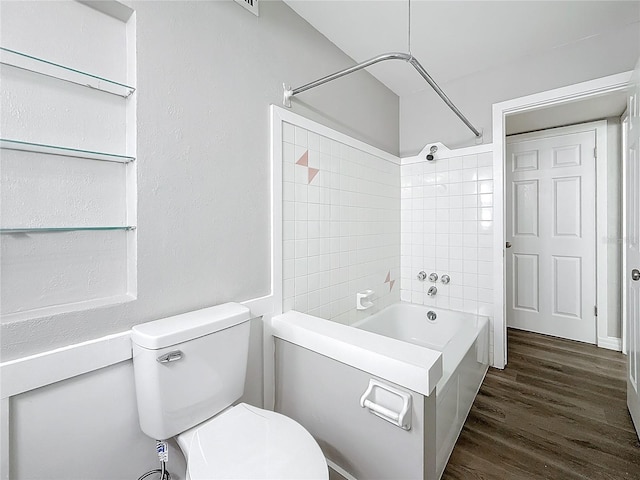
(207, 72)
(424, 117)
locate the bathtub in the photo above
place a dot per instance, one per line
(322, 368)
(464, 342)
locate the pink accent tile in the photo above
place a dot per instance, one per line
(312, 173)
(304, 159)
(391, 284)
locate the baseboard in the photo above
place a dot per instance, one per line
(610, 343)
(340, 471)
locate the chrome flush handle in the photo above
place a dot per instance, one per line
(170, 357)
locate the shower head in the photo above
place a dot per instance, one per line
(432, 150)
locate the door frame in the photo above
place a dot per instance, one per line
(624, 119)
(559, 96)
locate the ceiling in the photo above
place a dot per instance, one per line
(456, 39)
(593, 108)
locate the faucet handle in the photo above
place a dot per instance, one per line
(445, 279)
(433, 277)
(422, 276)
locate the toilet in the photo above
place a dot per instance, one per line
(189, 371)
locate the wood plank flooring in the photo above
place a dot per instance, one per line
(557, 411)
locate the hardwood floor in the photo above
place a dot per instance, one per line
(557, 411)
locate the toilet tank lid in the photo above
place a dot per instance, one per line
(187, 326)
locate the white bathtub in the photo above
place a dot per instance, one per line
(464, 342)
(441, 363)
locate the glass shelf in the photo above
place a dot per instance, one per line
(7, 144)
(67, 74)
(61, 229)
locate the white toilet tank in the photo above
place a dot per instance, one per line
(189, 367)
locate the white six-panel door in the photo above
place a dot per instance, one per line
(551, 264)
(632, 248)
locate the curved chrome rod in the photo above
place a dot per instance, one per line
(288, 93)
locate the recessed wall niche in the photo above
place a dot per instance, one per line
(67, 158)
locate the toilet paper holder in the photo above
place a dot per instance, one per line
(388, 403)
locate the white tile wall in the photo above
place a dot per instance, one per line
(341, 227)
(447, 228)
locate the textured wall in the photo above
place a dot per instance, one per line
(207, 72)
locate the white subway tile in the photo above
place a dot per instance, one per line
(470, 214)
(485, 186)
(485, 200)
(287, 304)
(485, 159)
(469, 174)
(442, 263)
(300, 266)
(485, 213)
(288, 269)
(288, 249)
(470, 240)
(455, 189)
(456, 201)
(470, 161)
(455, 176)
(456, 304)
(300, 303)
(470, 266)
(300, 136)
(455, 163)
(288, 230)
(442, 301)
(288, 132)
(301, 230)
(470, 201)
(300, 285)
(469, 188)
(470, 306)
(288, 288)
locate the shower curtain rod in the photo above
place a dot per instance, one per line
(288, 92)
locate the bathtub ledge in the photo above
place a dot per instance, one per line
(411, 366)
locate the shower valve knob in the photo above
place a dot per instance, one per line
(422, 276)
(433, 277)
(445, 279)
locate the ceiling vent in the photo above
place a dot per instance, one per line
(251, 5)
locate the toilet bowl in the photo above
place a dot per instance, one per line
(189, 371)
(245, 442)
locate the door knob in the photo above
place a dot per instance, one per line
(635, 274)
(508, 245)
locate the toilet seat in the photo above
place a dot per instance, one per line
(246, 442)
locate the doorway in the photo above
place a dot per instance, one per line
(572, 101)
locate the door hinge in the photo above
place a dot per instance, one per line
(595, 310)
